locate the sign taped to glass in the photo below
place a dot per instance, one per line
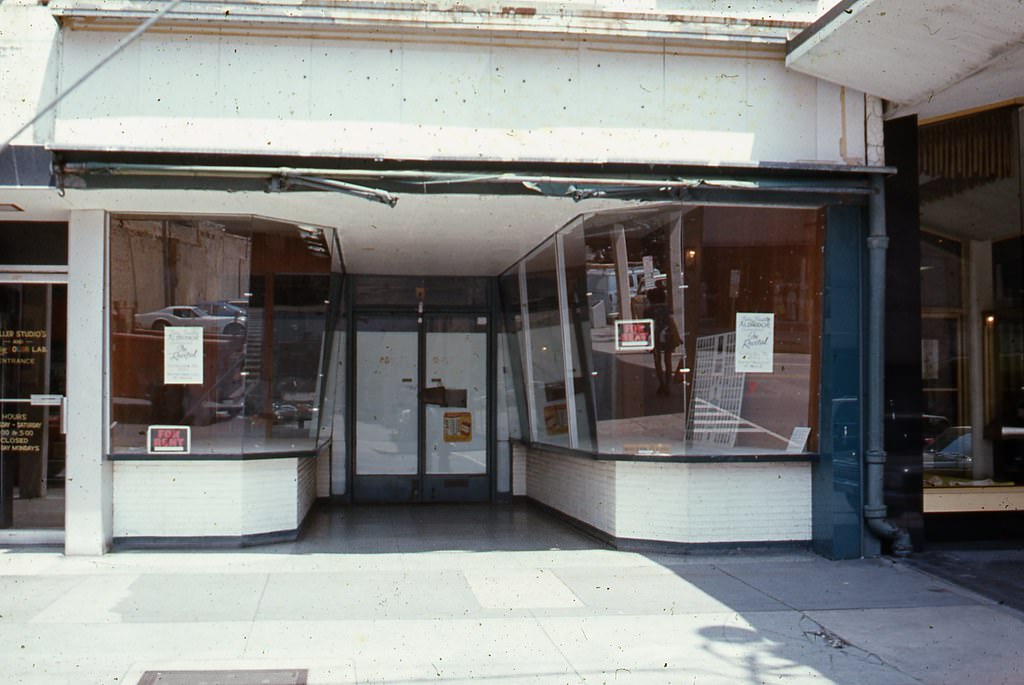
(169, 440)
(22, 347)
(755, 342)
(634, 335)
(21, 431)
(556, 419)
(458, 426)
(183, 355)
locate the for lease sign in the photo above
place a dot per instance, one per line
(169, 440)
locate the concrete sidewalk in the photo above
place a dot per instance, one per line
(496, 594)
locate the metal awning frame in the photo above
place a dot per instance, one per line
(377, 181)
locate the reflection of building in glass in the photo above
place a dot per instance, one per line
(710, 263)
(466, 246)
(258, 292)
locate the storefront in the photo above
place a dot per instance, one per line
(964, 309)
(33, 352)
(683, 369)
(631, 280)
(680, 364)
(955, 218)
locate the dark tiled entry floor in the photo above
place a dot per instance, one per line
(389, 529)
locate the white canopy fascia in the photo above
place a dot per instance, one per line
(927, 57)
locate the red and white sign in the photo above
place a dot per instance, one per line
(634, 334)
(169, 440)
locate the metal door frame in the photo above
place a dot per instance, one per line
(50, 276)
(424, 487)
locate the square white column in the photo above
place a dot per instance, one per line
(89, 483)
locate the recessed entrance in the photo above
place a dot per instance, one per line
(422, 413)
(33, 332)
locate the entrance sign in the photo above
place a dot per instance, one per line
(634, 335)
(169, 440)
(183, 355)
(22, 348)
(755, 342)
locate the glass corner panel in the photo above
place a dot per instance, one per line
(543, 346)
(511, 376)
(289, 324)
(668, 289)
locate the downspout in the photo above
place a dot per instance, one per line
(874, 506)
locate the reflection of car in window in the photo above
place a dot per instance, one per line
(222, 308)
(294, 401)
(950, 451)
(932, 426)
(188, 315)
(602, 284)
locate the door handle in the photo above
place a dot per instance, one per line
(44, 401)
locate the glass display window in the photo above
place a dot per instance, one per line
(682, 330)
(218, 327)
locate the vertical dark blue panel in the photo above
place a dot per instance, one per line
(837, 477)
(904, 401)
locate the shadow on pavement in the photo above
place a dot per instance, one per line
(992, 569)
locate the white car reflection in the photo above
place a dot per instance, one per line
(187, 315)
(951, 451)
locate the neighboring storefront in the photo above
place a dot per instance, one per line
(955, 216)
(33, 378)
(965, 232)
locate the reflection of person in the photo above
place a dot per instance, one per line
(666, 337)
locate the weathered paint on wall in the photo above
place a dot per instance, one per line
(29, 57)
(404, 97)
(420, 95)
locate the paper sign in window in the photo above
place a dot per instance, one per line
(556, 419)
(930, 359)
(458, 426)
(755, 342)
(183, 355)
(798, 439)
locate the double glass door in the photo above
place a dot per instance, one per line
(33, 332)
(421, 408)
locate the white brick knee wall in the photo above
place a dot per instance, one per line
(676, 502)
(211, 498)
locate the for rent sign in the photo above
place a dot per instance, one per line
(634, 334)
(169, 440)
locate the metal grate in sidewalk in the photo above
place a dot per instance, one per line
(295, 676)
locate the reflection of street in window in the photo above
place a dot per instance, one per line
(666, 338)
